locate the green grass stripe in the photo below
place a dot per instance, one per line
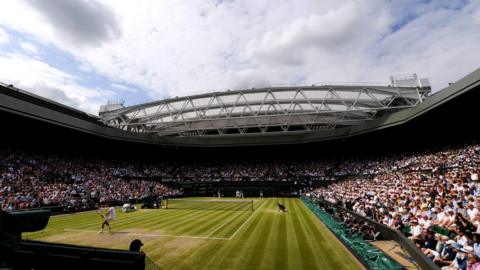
(195, 225)
(333, 249)
(240, 250)
(229, 229)
(280, 240)
(260, 245)
(230, 251)
(216, 250)
(294, 246)
(271, 241)
(318, 241)
(214, 258)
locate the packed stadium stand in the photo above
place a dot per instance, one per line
(412, 167)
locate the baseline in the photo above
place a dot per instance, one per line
(155, 235)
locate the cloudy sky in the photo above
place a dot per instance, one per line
(85, 52)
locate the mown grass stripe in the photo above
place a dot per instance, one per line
(199, 224)
(152, 222)
(294, 247)
(244, 224)
(233, 226)
(235, 252)
(182, 217)
(208, 256)
(311, 239)
(331, 246)
(281, 240)
(311, 227)
(256, 259)
(214, 255)
(272, 240)
(215, 229)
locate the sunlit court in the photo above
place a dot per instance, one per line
(234, 238)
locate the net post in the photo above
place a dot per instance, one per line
(166, 204)
(252, 205)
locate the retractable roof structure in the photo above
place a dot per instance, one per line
(390, 107)
(268, 110)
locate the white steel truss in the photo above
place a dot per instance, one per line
(265, 110)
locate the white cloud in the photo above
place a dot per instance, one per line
(177, 47)
(349, 27)
(441, 45)
(3, 36)
(50, 82)
(81, 22)
(29, 47)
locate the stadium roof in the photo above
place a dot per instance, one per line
(21, 103)
(268, 110)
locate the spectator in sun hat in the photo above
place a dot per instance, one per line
(467, 249)
(448, 254)
(456, 246)
(460, 261)
(462, 257)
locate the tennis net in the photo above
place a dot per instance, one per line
(232, 205)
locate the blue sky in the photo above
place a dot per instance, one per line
(84, 53)
(28, 45)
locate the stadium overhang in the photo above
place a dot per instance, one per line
(343, 111)
(273, 110)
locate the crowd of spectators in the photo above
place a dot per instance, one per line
(434, 198)
(30, 181)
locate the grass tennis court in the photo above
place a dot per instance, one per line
(213, 239)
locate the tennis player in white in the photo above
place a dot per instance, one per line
(108, 218)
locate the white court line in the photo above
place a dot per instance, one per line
(245, 222)
(156, 235)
